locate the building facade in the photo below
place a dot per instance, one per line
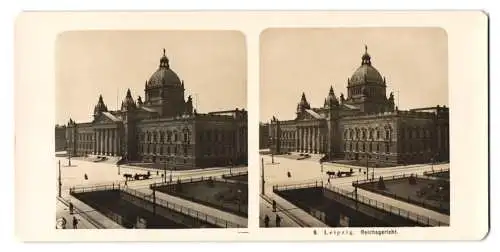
(60, 137)
(365, 126)
(163, 129)
(263, 136)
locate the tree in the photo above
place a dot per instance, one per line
(412, 180)
(178, 186)
(381, 183)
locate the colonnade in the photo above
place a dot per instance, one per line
(107, 142)
(310, 139)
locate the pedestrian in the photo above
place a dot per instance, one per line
(70, 208)
(328, 180)
(266, 221)
(278, 221)
(156, 172)
(85, 176)
(289, 174)
(63, 223)
(274, 206)
(75, 222)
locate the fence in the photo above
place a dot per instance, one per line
(367, 201)
(160, 202)
(198, 179)
(232, 174)
(430, 173)
(440, 208)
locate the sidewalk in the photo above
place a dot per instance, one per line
(199, 207)
(298, 213)
(63, 211)
(90, 215)
(266, 208)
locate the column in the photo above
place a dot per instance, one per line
(300, 139)
(98, 141)
(93, 142)
(313, 143)
(115, 142)
(103, 142)
(304, 139)
(301, 130)
(306, 129)
(108, 141)
(310, 138)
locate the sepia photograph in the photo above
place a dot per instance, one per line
(354, 128)
(151, 130)
(134, 126)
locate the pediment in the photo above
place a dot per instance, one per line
(102, 119)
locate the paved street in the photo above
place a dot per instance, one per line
(304, 171)
(106, 173)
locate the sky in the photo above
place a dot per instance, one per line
(212, 64)
(414, 62)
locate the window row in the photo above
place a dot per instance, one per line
(369, 133)
(362, 147)
(167, 150)
(165, 136)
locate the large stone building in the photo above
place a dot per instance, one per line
(164, 128)
(60, 137)
(365, 126)
(263, 135)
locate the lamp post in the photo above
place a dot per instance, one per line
(263, 181)
(230, 167)
(69, 159)
(432, 164)
(367, 169)
(239, 200)
(165, 173)
(118, 165)
(59, 179)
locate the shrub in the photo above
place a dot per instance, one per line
(381, 183)
(412, 180)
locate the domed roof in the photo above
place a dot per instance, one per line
(366, 73)
(164, 76)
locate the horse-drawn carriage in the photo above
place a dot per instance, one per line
(340, 173)
(136, 176)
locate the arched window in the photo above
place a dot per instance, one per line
(387, 134)
(345, 134)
